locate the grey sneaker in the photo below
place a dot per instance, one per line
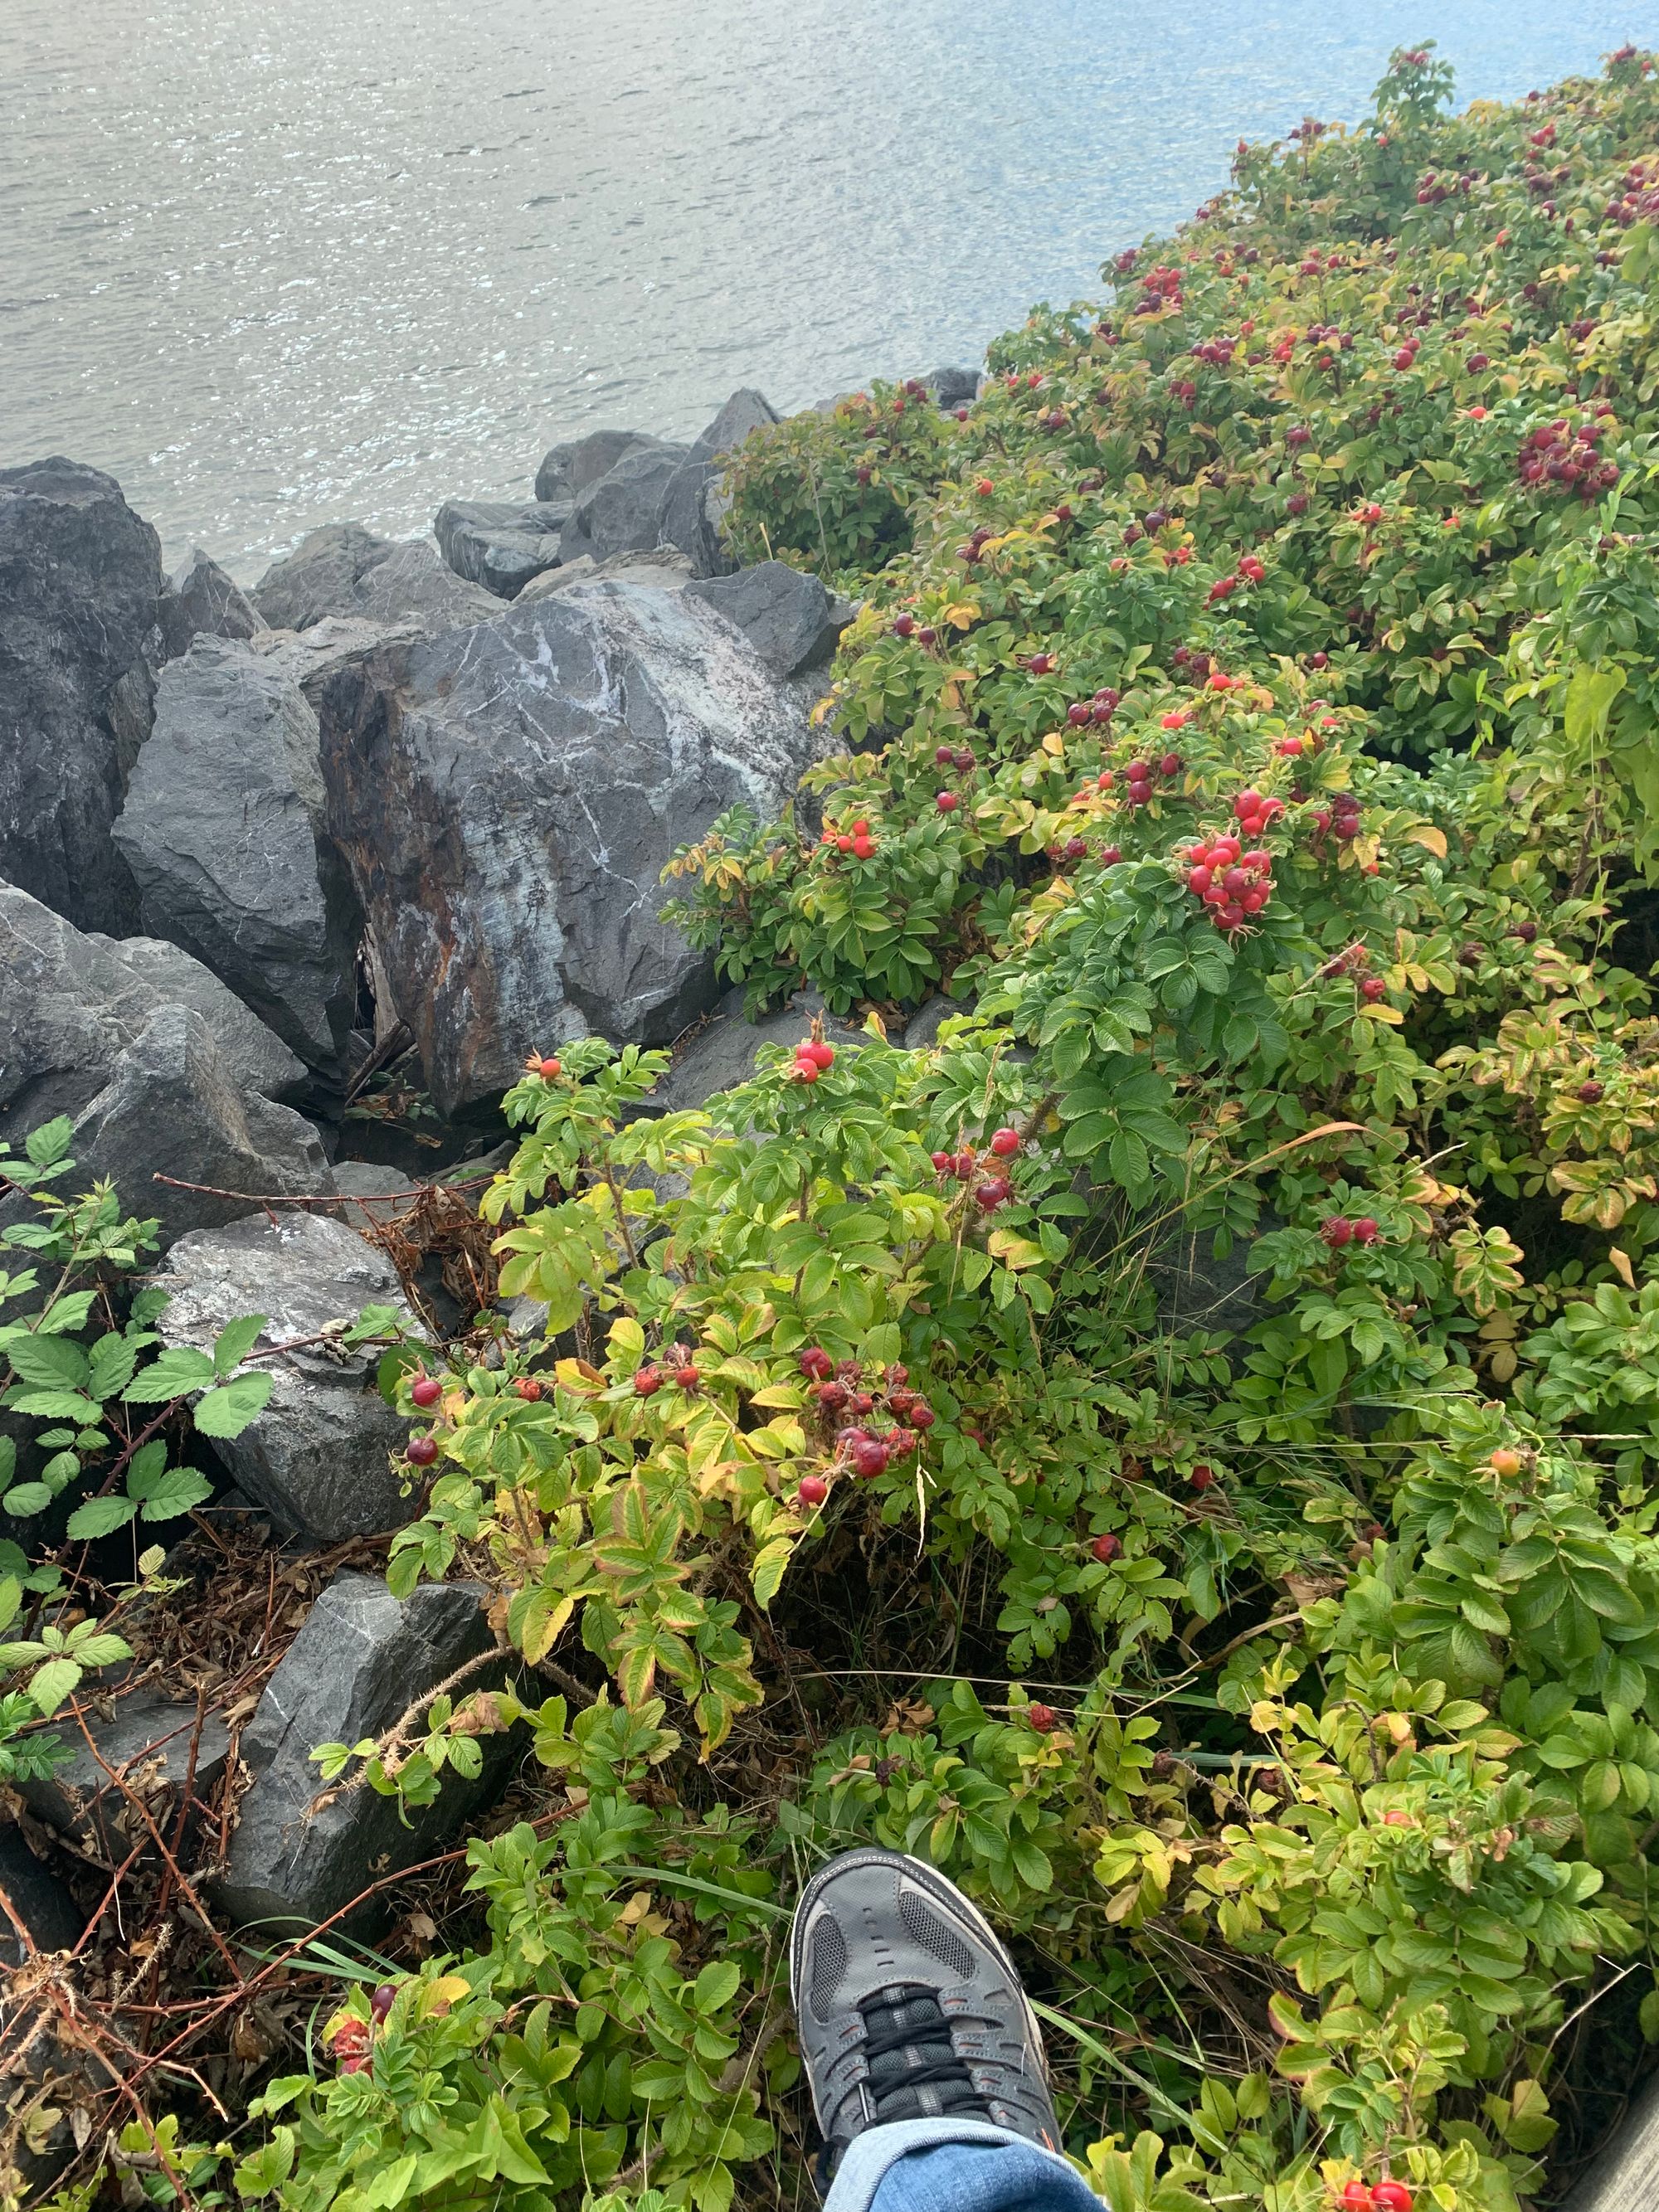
(908, 2006)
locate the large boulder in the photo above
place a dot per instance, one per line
(201, 598)
(318, 1459)
(224, 830)
(172, 1108)
(309, 657)
(507, 799)
(788, 616)
(694, 505)
(80, 580)
(361, 1658)
(345, 570)
(623, 512)
(658, 566)
(149, 1742)
(71, 1005)
(500, 546)
(567, 470)
(256, 1056)
(726, 1048)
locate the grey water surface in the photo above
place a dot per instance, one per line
(280, 262)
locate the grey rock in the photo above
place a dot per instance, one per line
(952, 387)
(80, 580)
(201, 598)
(224, 830)
(38, 1898)
(567, 470)
(507, 797)
(623, 512)
(318, 1458)
(501, 547)
(659, 566)
(171, 1106)
(788, 616)
(1625, 2174)
(1196, 1290)
(921, 1032)
(726, 1050)
(67, 1011)
(309, 657)
(345, 570)
(694, 505)
(378, 1195)
(147, 1742)
(255, 1055)
(361, 1659)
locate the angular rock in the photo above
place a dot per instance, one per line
(256, 1056)
(224, 830)
(788, 616)
(38, 1898)
(921, 1032)
(360, 1661)
(694, 506)
(500, 546)
(376, 1196)
(345, 570)
(147, 1743)
(623, 512)
(201, 598)
(657, 566)
(172, 1107)
(507, 798)
(80, 579)
(1624, 2175)
(309, 657)
(318, 1458)
(567, 470)
(952, 387)
(725, 1051)
(1196, 1290)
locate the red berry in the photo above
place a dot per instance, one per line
(1171, 765)
(831, 1396)
(927, 637)
(426, 1391)
(813, 1490)
(548, 1068)
(943, 756)
(1139, 771)
(962, 1164)
(1110, 856)
(357, 2062)
(944, 1162)
(1006, 1143)
(1108, 1547)
(1337, 1230)
(1042, 1718)
(1589, 1094)
(869, 1457)
(1356, 2197)
(985, 487)
(963, 758)
(843, 844)
(1372, 990)
(922, 1415)
(687, 1377)
(806, 1071)
(381, 2004)
(528, 1389)
(420, 1451)
(820, 1054)
(1365, 1229)
(947, 802)
(1391, 2196)
(1202, 1478)
(647, 1383)
(994, 1191)
(862, 848)
(1198, 881)
(905, 626)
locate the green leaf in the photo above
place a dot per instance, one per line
(229, 1410)
(173, 1373)
(232, 1345)
(28, 1497)
(175, 1493)
(771, 1563)
(50, 1685)
(101, 1517)
(52, 1362)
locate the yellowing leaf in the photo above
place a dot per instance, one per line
(1054, 743)
(1425, 834)
(1381, 1011)
(1014, 1251)
(1621, 1261)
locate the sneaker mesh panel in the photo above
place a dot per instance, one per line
(828, 1964)
(926, 1928)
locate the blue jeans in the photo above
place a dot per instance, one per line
(954, 2166)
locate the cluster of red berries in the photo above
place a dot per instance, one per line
(989, 1188)
(1377, 2196)
(1407, 356)
(1218, 352)
(907, 626)
(841, 1389)
(1196, 666)
(1338, 1231)
(677, 1365)
(1356, 962)
(970, 550)
(1341, 819)
(1160, 288)
(813, 1058)
(1557, 458)
(856, 841)
(1249, 571)
(1099, 709)
(1233, 882)
(963, 759)
(1639, 200)
(1434, 190)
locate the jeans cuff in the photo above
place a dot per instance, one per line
(869, 2155)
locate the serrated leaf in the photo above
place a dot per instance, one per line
(229, 1410)
(232, 1345)
(101, 1517)
(175, 1493)
(173, 1373)
(50, 1685)
(771, 1563)
(52, 1363)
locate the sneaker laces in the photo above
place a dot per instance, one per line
(909, 2050)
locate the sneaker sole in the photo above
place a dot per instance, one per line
(946, 1895)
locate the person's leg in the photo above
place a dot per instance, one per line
(922, 2054)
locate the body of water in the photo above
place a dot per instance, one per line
(280, 262)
